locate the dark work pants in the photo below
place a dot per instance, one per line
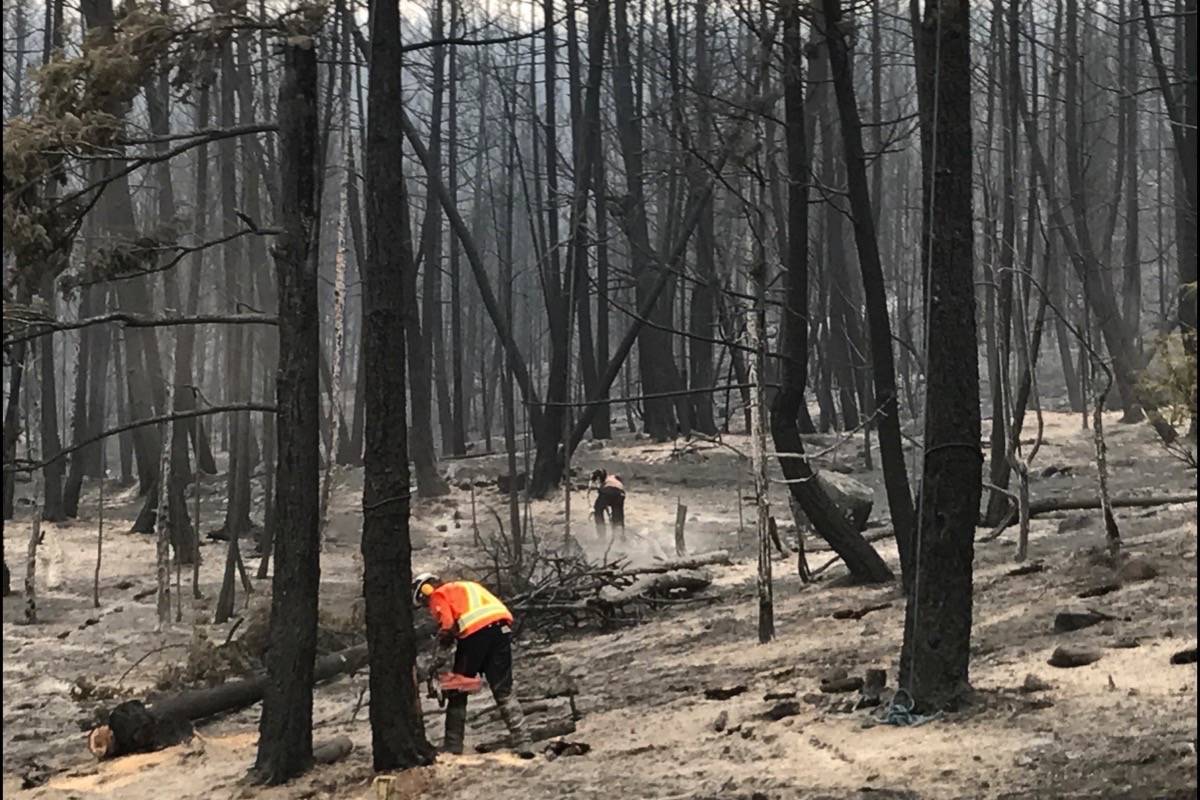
(487, 651)
(611, 499)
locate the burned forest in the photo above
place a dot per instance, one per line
(646, 398)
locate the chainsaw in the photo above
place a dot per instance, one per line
(440, 687)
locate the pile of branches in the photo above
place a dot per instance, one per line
(570, 592)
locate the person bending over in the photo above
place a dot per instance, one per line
(468, 613)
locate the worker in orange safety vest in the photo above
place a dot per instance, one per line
(468, 613)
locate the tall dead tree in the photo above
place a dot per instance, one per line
(937, 622)
(860, 558)
(183, 537)
(238, 358)
(397, 731)
(887, 406)
(457, 432)
(701, 316)
(285, 728)
(655, 359)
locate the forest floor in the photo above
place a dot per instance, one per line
(1125, 726)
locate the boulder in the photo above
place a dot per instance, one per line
(504, 482)
(852, 496)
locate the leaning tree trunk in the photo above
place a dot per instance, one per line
(285, 729)
(887, 406)
(860, 558)
(397, 731)
(937, 624)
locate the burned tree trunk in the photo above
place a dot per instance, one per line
(656, 361)
(937, 623)
(397, 732)
(12, 412)
(887, 406)
(183, 537)
(238, 357)
(52, 475)
(702, 311)
(861, 559)
(80, 428)
(285, 729)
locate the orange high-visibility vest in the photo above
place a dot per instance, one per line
(466, 607)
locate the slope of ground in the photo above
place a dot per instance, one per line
(1124, 726)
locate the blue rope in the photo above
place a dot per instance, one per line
(900, 711)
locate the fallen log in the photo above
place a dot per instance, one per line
(717, 557)
(690, 580)
(1049, 505)
(133, 728)
(198, 704)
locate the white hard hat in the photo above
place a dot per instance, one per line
(420, 581)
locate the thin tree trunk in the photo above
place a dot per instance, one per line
(701, 312)
(433, 334)
(999, 469)
(12, 411)
(458, 436)
(52, 475)
(80, 424)
(182, 536)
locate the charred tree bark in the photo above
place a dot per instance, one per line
(237, 355)
(431, 243)
(183, 537)
(458, 430)
(52, 475)
(701, 316)
(285, 729)
(887, 406)
(80, 422)
(999, 468)
(397, 731)
(861, 559)
(125, 439)
(655, 359)
(602, 425)
(12, 412)
(937, 623)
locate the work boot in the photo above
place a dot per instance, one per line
(514, 718)
(456, 723)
